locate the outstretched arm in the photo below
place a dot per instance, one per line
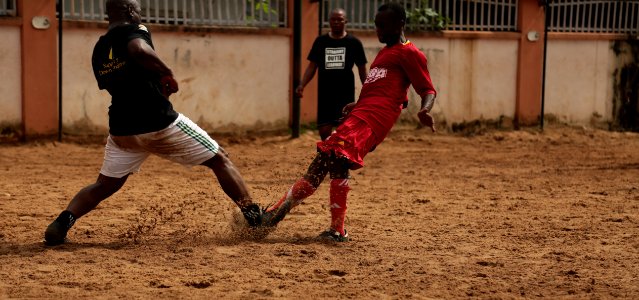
(144, 55)
(308, 75)
(416, 67)
(424, 113)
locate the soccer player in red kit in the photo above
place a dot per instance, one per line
(367, 122)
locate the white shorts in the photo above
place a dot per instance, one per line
(182, 142)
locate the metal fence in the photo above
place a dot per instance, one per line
(589, 16)
(7, 7)
(473, 15)
(234, 13)
(596, 16)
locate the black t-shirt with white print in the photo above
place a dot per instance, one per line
(336, 82)
(137, 103)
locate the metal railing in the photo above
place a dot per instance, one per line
(7, 7)
(234, 13)
(473, 15)
(594, 16)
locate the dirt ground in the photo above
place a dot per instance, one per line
(502, 214)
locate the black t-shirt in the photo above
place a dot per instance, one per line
(137, 103)
(335, 59)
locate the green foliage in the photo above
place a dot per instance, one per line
(425, 18)
(262, 5)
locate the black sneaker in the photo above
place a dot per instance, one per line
(271, 218)
(253, 215)
(333, 235)
(56, 232)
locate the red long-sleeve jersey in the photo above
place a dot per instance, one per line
(386, 87)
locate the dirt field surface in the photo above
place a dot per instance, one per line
(502, 214)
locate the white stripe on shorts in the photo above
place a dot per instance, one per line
(182, 142)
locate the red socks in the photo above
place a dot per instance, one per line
(300, 190)
(339, 192)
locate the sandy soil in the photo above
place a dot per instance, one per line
(504, 214)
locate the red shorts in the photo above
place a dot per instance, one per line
(353, 139)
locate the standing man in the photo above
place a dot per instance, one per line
(396, 67)
(334, 54)
(142, 121)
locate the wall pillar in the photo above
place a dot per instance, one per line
(39, 69)
(310, 23)
(530, 63)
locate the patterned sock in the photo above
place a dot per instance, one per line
(67, 219)
(339, 193)
(300, 190)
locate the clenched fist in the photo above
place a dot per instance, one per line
(169, 85)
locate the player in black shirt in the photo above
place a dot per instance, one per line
(125, 64)
(334, 55)
(142, 121)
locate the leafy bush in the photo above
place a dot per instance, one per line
(425, 18)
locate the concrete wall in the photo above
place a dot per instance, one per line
(82, 100)
(241, 81)
(233, 81)
(227, 81)
(10, 72)
(579, 80)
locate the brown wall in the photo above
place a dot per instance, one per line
(39, 69)
(530, 65)
(310, 27)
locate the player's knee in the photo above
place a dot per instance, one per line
(319, 163)
(318, 169)
(341, 173)
(219, 161)
(107, 186)
(339, 168)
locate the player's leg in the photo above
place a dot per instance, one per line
(234, 186)
(84, 201)
(344, 144)
(229, 178)
(352, 140)
(186, 143)
(118, 163)
(339, 173)
(90, 196)
(301, 189)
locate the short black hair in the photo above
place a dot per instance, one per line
(118, 9)
(397, 9)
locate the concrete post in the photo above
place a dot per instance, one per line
(39, 67)
(530, 62)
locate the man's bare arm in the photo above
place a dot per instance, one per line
(361, 70)
(308, 75)
(144, 55)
